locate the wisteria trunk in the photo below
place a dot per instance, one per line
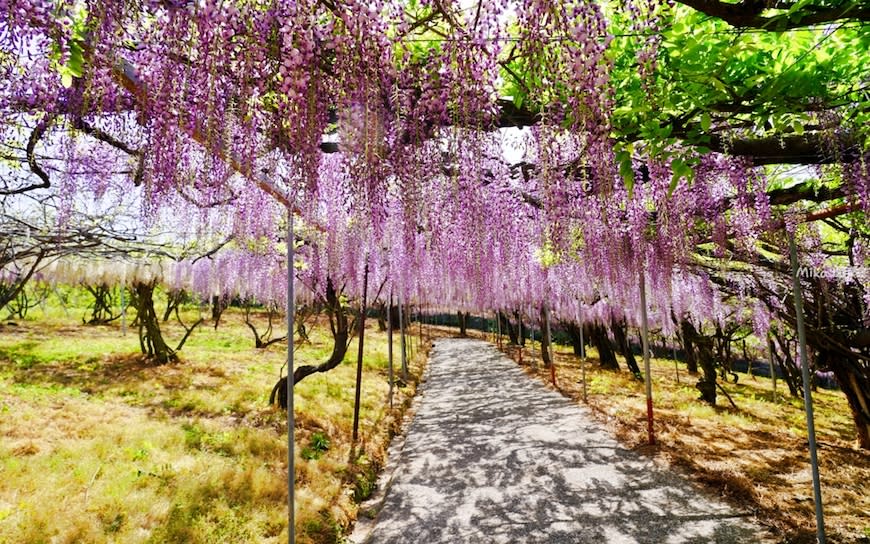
(150, 336)
(101, 313)
(686, 330)
(545, 339)
(572, 329)
(507, 326)
(340, 334)
(463, 324)
(621, 339)
(597, 335)
(855, 385)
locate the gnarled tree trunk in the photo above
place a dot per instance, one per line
(545, 338)
(707, 383)
(151, 340)
(854, 384)
(620, 337)
(340, 334)
(509, 328)
(102, 310)
(597, 335)
(463, 324)
(686, 336)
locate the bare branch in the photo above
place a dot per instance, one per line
(36, 135)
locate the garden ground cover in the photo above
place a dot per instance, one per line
(99, 445)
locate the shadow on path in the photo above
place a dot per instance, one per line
(494, 457)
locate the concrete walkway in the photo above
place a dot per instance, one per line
(492, 456)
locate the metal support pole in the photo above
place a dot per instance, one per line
(359, 355)
(522, 340)
(402, 342)
(582, 356)
(498, 328)
(291, 424)
(390, 345)
(646, 366)
(808, 399)
(676, 368)
(550, 346)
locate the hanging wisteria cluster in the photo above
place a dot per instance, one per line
(213, 108)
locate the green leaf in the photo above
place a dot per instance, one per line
(681, 170)
(626, 170)
(675, 180)
(797, 127)
(66, 79)
(75, 63)
(705, 122)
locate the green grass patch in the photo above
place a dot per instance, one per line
(106, 447)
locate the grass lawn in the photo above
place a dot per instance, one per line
(99, 445)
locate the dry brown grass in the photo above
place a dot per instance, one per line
(98, 445)
(755, 456)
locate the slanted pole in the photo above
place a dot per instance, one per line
(582, 356)
(522, 340)
(550, 346)
(390, 345)
(402, 342)
(808, 399)
(359, 356)
(291, 424)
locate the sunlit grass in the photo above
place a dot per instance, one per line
(100, 446)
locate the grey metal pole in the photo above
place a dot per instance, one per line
(549, 346)
(582, 355)
(402, 342)
(390, 345)
(359, 357)
(291, 424)
(676, 367)
(808, 399)
(550, 337)
(647, 378)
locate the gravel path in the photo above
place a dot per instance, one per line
(492, 456)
